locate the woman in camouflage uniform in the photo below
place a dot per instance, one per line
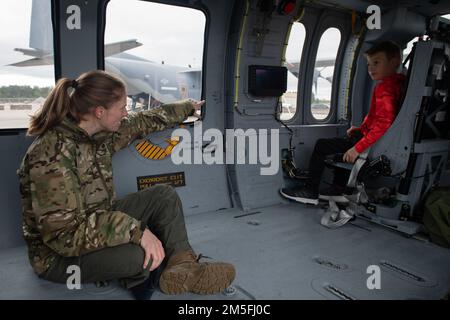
(70, 214)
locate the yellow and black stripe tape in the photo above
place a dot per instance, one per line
(150, 151)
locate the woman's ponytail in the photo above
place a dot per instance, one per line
(91, 89)
(54, 110)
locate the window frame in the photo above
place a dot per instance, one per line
(101, 27)
(294, 117)
(318, 34)
(54, 7)
(318, 21)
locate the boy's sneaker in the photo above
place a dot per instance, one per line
(303, 195)
(334, 192)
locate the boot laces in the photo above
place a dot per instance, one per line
(200, 256)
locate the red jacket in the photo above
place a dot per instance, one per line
(384, 107)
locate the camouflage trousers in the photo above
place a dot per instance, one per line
(160, 208)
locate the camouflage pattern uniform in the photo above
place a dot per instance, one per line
(68, 197)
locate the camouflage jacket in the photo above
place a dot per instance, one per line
(67, 187)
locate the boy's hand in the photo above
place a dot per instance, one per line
(352, 130)
(351, 155)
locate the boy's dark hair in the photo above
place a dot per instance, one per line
(390, 48)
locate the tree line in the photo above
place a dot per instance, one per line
(24, 91)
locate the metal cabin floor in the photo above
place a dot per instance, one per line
(280, 252)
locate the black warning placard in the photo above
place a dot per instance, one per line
(176, 179)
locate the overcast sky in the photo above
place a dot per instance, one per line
(169, 33)
(15, 25)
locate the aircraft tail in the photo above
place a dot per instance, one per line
(121, 46)
(41, 38)
(41, 31)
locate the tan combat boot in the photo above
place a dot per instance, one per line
(184, 273)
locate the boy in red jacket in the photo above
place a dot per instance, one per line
(383, 60)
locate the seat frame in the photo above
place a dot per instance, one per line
(416, 164)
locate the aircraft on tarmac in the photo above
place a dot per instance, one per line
(151, 83)
(148, 82)
(321, 63)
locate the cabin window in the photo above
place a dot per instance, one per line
(156, 49)
(323, 73)
(407, 51)
(26, 60)
(293, 57)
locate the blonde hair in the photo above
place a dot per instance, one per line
(91, 89)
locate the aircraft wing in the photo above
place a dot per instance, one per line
(293, 67)
(33, 52)
(41, 39)
(192, 70)
(121, 46)
(34, 62)
(42, 58)
(323, 62)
